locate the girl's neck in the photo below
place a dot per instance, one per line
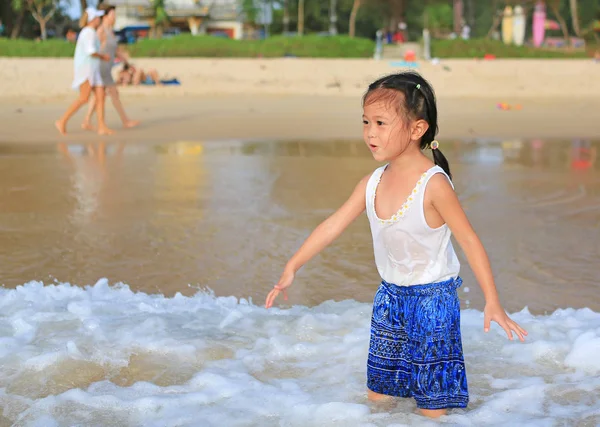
(411, 158)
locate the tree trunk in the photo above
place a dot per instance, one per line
(575, 17)
(471, 19)
(38, 15)
(495, 21)
(397, 13)
(44, 33)
(83, 4)
(153, 29)
(286, 16)
(16, 30)
(458, 16)
(300, 17)
(555, 6)
(333, 17)
(353, 13)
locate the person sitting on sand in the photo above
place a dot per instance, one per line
(131, 75)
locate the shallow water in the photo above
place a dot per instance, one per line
(227, 216)
(171, 219)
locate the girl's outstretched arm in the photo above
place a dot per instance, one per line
(321, 237)
(446, 203)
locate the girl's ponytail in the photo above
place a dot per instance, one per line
(441, 160)
(83, 21)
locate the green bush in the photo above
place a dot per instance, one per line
(477, 48)
(208, 46)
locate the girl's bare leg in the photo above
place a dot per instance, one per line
(138, 77)
(87, 121)
(431, 413)
(100, 98)
(376, 397)
(114, 96)
(84, 95)
(154, 74)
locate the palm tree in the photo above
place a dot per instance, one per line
(353, 13)
(160, 17)
(300, 17)
(575, 17)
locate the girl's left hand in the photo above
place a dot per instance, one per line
(496, 313)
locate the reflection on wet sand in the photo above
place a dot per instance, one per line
(227, 215)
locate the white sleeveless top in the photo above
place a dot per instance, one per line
(86, 66)
(407, 251)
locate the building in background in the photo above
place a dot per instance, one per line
(218, 17)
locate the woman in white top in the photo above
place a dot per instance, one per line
(87, 72)
(415, 348)
(109, 45)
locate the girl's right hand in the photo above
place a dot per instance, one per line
(105, 57)
(285, 281)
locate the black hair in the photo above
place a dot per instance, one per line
(417, 103)
(106, 7)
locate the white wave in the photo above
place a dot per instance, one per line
(106, 356)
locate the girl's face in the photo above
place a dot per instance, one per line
(111, 17)
(95, 23)
(385, 131)
(125, 77)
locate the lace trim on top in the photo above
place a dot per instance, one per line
(405, 206)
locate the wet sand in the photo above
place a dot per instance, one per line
(167, 218)
(290, 116)
(227, 175)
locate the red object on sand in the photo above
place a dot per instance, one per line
(489, 56)
(410, 56)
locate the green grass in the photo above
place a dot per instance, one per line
(477, 48)
(212, 47)
(309, 46)
(30, 48)
(273, 47)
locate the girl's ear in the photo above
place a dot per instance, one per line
(418, 129)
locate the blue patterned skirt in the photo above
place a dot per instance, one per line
(416, 348)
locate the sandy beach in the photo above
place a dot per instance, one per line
(306, 98)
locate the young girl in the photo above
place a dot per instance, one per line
(87, 72)
(415, 348)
